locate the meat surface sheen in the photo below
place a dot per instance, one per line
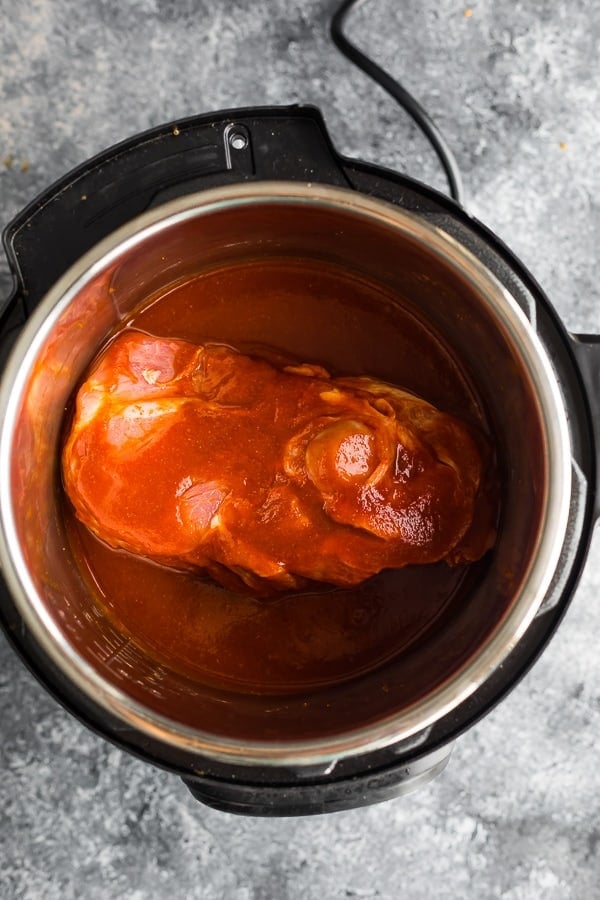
(204, 459)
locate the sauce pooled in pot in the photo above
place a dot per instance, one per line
(272, 477)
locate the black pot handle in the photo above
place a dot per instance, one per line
(230, 146)
(93, 200)
(13, 315)
(586, 348)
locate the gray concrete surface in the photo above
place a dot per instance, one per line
(514, 85)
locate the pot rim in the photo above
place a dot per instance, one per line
(509, 630)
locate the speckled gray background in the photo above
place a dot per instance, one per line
(514, 85)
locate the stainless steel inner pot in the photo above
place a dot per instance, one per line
(487, 332)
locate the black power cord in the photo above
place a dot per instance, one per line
(401, 95)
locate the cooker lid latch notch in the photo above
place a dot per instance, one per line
(238, 149)
(586, 348)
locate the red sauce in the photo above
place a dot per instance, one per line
(313, 313)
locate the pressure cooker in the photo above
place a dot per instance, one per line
(267, 182)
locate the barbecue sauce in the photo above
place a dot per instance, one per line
(286, 311)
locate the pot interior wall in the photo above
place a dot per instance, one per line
(375, 252)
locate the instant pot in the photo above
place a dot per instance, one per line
(209, 191)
